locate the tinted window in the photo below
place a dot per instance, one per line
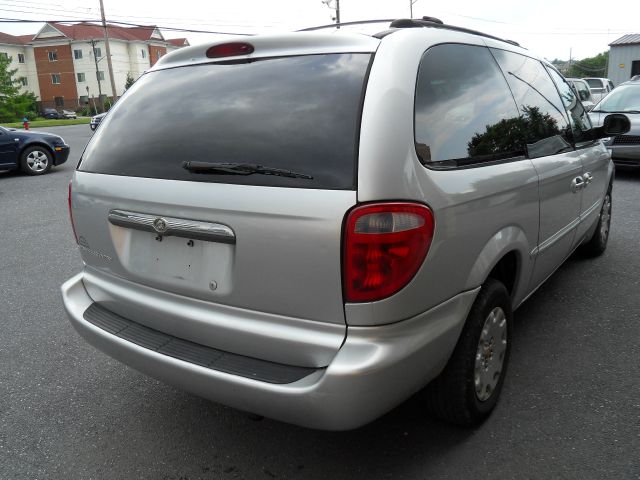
(595, 85)
(578, 116)
(464, 112)
(293, 113)
(544, 118)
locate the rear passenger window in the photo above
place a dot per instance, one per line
(464, 111)
(544, 117)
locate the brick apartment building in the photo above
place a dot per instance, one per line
(58, 64)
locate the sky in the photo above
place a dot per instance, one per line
(549, 28)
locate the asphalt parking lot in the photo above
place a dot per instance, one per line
(570, 407)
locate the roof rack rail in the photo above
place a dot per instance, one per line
(335, 25)
(399, 23)
(432, 22)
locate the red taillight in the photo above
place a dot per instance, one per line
(230, 50)
(384, 246)
(73, 225)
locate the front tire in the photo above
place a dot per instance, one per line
(36, 160)
(597, 245)
(467, 390)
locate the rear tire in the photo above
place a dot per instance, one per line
(597, 245)
(467, 390)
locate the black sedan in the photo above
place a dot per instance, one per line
(33, 152)
(50, 113)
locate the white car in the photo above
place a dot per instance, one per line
(600, 87)
(69, 114)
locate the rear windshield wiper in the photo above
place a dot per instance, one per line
(241, 169)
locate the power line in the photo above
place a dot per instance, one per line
(38, 7)
(129, 24)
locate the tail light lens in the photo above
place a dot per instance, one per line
(384, 246)
(73, 225)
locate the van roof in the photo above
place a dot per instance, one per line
(310, 41)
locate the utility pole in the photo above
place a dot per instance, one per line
(106, 44)
(337, 9)
(411, 2)
(95, 59)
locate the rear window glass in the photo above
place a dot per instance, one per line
(294, 113)
(593, 83)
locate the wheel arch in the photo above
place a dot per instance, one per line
(37, 144)
(505, 257)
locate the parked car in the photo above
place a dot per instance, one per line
(584, 94)
(625, 149)
(32, 152)
(95, 120)
(69, 114)
(50, 113)
(341, 220)
(600, 87)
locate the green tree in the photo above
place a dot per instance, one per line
(589, 67)
(129, 81)
(13, 104)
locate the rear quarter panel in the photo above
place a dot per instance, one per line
(480, 213)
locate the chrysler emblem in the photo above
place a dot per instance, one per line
(160, 225)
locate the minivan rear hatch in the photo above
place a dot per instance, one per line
(259, 153)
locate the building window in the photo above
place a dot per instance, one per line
(100, 75)
(84, 99)
(55, 78)
(77, 54)
(144, 53)
(97, 52)
(81, 77)
(23, 81)
(53, 56)
(59, 102)
(159, 54)
(21, 58)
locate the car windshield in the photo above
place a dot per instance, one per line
(594, 83)
(623, 99)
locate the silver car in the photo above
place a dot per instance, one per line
(625, 149)
(337, 222)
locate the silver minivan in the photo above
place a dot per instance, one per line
(320, 225)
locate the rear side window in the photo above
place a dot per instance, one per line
(464, 111)
(544, 117)
(300, 114)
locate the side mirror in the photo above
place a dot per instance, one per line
(616, 124)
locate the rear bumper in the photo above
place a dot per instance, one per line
(375, 369)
